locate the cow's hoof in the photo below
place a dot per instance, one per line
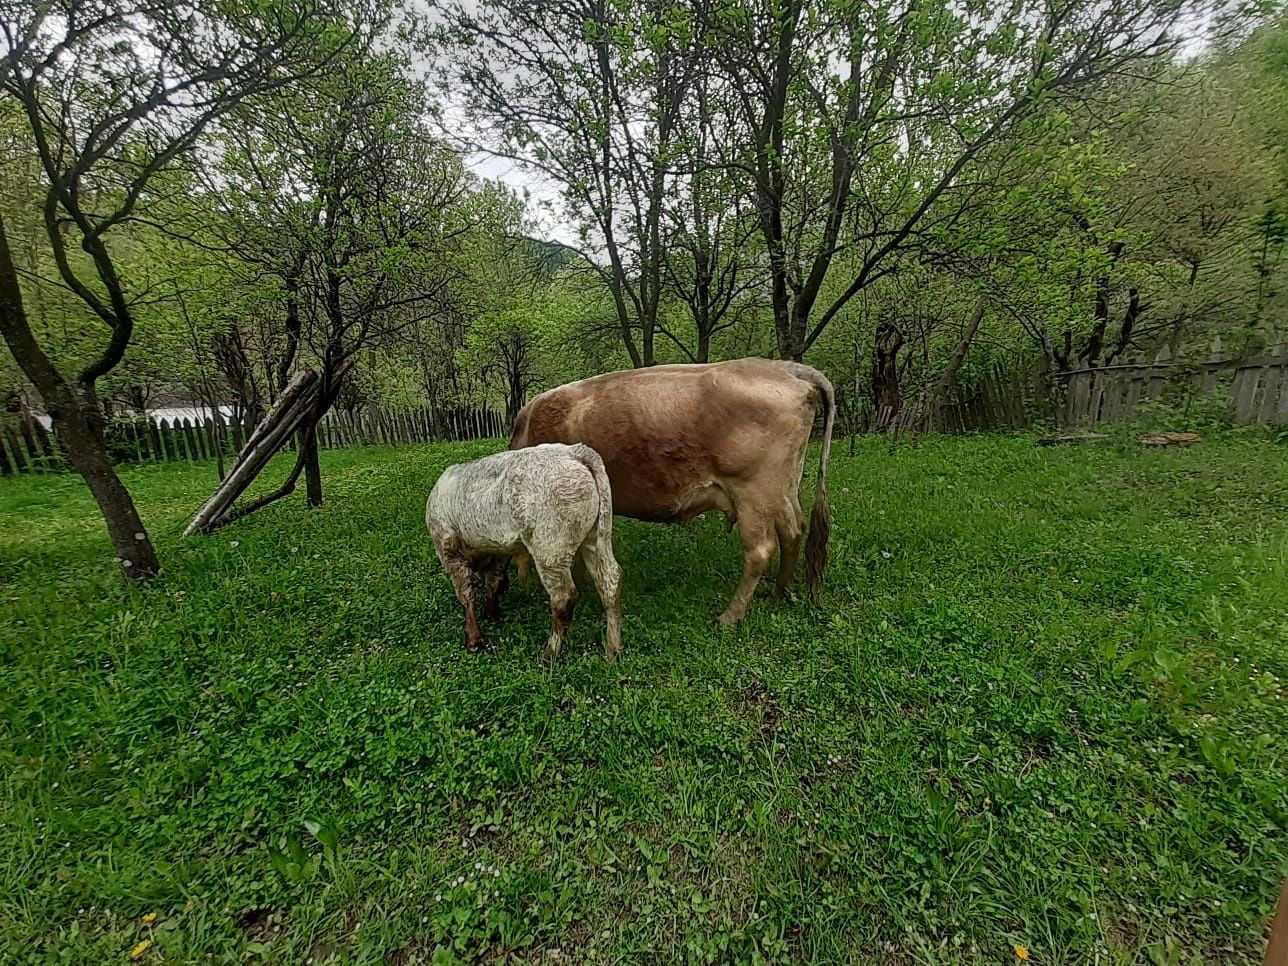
(480, 644)
(786, 594)
(611, 656)
(491, 610)
(728, 621)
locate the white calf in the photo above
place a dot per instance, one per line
(552, 503)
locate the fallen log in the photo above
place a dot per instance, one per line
(290, 411)
(1067, 438)
(1170, 439)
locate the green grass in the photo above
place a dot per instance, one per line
(1039, 704)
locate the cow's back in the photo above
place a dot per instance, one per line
(675, 438)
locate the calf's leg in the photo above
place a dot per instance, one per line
(607, 576)
(458, 567)
(498, 582)
(556, 578)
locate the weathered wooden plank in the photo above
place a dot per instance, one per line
(1082, 398)
(204, 452)
(1157, 383)
(180, 445)
(1211, 372)
(136, 437)
(16, 452)
(1134, 389)
(153, 432)
(1244, 393)
(1097, 398)
(190, 440)
(209, 437)
(42, 440)
(162, 430)
(1111, 400)
(1270, 379)
(219, 432)
(7, 468)
(176, 436)
(35, 458)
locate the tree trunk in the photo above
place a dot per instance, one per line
(885, 374)
(955, 363)
(704, 344)
(312, 468)
(82, 438)
(79, 428)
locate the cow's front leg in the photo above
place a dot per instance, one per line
(458, 567)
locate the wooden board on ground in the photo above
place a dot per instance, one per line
(1170, 439)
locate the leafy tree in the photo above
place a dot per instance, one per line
(336, 190)
(112, 93)
(591, 94)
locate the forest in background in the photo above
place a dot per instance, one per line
(198, 202)
(337, 215)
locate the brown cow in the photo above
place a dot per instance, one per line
(682, 440)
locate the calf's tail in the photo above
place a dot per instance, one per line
(820, 518)
(604, 526)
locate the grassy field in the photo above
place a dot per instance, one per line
(1039, 706)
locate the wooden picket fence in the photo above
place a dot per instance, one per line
(27, 447)
(1255, 387)
(996, 398)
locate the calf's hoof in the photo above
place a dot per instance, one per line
(610, 654)
(492, 610)
(478, 644)
(727, 620)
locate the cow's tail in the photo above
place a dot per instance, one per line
(820, 518)
(604, 526)
(519, 431)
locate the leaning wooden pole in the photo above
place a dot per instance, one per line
(292, 408)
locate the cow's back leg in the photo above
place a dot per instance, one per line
(458, 568)
(790, 525)
(756, 527)
(607, 576)
(555, 572)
